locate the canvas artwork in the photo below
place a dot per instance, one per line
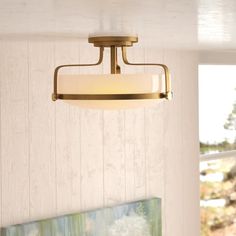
(141, 218)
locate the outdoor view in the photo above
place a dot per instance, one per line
(217, 125)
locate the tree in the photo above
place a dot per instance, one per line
(230, 123)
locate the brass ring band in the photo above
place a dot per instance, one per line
(109, 96)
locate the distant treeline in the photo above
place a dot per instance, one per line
(217, 147)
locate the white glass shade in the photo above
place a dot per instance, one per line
(111, 84)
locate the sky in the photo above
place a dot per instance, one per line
(217, 93)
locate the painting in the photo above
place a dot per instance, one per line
(141, 218)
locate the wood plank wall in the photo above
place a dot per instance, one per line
(58, 159)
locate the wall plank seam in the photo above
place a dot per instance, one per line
(29, 125)
(55, 135)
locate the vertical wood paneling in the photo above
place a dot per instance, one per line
(114, 146)
(114, 159)
(135, 155)
(190, 148)
(68, 158)
(14, 132)
(91, 159)
(41, 130)
(154, 140)
(154, 128)
(91, 142)
(173, 149)
(82, 159)
(135, 171)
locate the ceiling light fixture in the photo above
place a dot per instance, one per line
(113, 90)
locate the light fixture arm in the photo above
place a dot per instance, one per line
(168, 93)
(54, 95)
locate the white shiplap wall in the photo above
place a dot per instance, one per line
(58, 159)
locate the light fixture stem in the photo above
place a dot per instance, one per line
(115, 68)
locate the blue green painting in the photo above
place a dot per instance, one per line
(141, 218)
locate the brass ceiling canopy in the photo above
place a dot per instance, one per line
(80, 89)
(116, 41)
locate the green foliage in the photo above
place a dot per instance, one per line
(217, 221)
(214, 220)
(217, 147)
(230, 123)
(140, 210)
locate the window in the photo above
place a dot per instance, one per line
(217, 133)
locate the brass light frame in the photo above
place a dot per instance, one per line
(113, 42)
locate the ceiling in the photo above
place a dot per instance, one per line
(193, 24)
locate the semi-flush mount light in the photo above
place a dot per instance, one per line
(113, 90)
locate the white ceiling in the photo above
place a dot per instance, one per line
(202, 24)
